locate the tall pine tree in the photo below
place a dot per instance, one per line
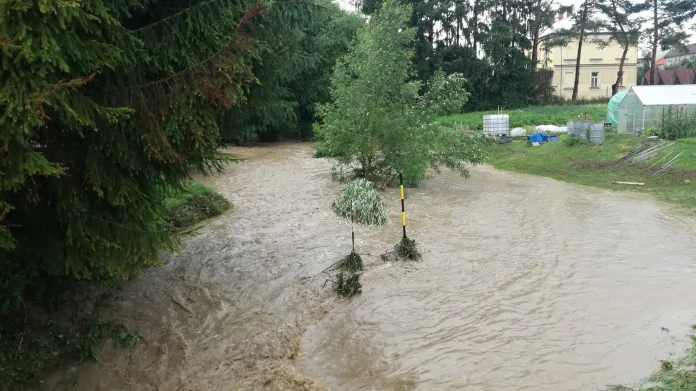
(105, 106)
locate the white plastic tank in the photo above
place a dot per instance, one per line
(582, 128)
(571, 128)
(496, 124)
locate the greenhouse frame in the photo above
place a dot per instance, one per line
(643, 106)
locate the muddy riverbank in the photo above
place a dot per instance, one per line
(526, 283)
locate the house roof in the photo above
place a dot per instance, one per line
(660, 61)
(666, 95)
(667, 77)
(686, 75)
(690, 49)
(672, 76)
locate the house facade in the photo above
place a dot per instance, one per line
(599, 66)
(675, 56)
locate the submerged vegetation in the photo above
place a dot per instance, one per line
(192, 204)
(66, 326)
(349, 270)
(406, 250)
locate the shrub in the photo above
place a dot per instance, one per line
(359, 196)
(678, 123)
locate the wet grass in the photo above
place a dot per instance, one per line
(597, 166)
(193, 204)
(677, 375)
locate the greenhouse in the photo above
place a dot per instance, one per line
(644, 106)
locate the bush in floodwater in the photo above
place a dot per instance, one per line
(348, 284)
(361, 198)
(351, 263)
(347, 276)
(406, 250)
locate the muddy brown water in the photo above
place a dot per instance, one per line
(527, 283)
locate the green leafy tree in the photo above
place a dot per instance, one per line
(105, 107)
(299, 43)
(377, 123)
(625, 23)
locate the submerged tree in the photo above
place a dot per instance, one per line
(378, 123)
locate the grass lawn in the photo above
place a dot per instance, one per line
(530, 116)
(596, 165)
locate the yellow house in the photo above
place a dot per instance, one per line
(599, 66)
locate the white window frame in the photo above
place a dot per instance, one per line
(592, 80)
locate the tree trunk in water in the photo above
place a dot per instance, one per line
(619, 75)
(577, 60)
(654, 45)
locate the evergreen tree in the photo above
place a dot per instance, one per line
(105, 106)
(624, 22)
(299, 44)
(584, 22)
(667, 30)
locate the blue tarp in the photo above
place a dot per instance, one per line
(538, 137)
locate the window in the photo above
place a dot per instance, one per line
(594, 81)
(620, 79)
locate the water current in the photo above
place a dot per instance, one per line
(526, 283)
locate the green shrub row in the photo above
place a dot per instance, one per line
(530, 116)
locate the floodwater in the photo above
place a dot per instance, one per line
(526, 283)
